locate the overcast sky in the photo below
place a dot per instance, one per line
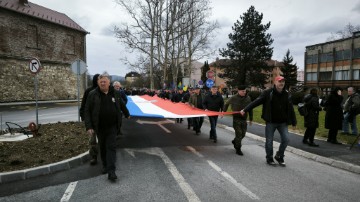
(294, 25)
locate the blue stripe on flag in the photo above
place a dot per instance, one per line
(136, 111)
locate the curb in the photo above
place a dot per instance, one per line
(44, 170)
(324, 160)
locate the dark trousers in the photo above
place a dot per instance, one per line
(309, 134)
(197, 123)
(332, 135)
(190, 122)
(213, 122)
(107, 144)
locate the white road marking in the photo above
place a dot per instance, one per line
(67, 195)
(185, 187)
(159, 123)
(226, 176)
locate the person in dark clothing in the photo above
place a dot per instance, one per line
(117, 86)
(278, 112)
(334, 114)
(93, 151)
(177, 97)
(311, 121)
(196, 100)
(239, 102)
(186, 99)
(213, 102)
(102, 114)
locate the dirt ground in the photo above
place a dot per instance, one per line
(56, 142)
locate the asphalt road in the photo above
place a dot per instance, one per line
(159, 160)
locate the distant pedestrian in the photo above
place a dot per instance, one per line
(93, 151)
(102, 114)
(351, 109)
(334, 114)
(311, 120)
(278, 113)
(239, 102)
(213, 101)
(196, 101)
(178, 97)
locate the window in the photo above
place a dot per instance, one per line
(342, 75)
(347, 54)
(311, 76)
(339, 55)
(325, 76)
(356, 74)
(323, 57)
(330, 57)
(32, 36)
(309, 59)
(357, 53)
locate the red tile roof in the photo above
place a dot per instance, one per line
(40, 12)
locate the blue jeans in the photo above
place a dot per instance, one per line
(269, 135)
(352, 123)
(213, 122)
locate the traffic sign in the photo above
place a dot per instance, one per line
(34, 66)
(78, 67)
(209, 83)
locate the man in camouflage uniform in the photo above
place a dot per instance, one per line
(239, 102)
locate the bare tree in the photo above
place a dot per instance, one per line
(346, 32)
(168, 33)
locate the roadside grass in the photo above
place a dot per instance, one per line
(321, 132)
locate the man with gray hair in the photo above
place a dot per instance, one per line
(102, 115)
(351, 109)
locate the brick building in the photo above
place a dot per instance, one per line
(333, 64)
(28, 30)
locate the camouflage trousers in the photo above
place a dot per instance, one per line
(93, 151)
(240, 127)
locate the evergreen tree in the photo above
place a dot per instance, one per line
(249, 49)
(289, 70)
(204, 69)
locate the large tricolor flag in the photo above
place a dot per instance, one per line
(147, 106)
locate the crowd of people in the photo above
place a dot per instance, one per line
(104, 104)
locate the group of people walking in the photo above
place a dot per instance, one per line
(103, 106)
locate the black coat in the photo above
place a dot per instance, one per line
(313, 107)
(334, 114)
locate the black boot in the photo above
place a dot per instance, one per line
(239, 152)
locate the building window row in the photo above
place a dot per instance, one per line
(339, 75)
(328, 57)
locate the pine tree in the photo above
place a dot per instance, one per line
(249, 49)
(289, 70)
(204, 69)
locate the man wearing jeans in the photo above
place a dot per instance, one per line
(351, 107)
(213, 102)
(278, 113)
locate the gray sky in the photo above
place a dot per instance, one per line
(294, 25)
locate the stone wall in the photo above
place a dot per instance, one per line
(22, 38)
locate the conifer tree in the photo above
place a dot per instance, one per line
(289, 70)
(248, 50)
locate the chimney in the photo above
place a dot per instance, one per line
(24, 2)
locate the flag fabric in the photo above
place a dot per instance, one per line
(147, 106)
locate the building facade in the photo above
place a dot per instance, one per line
(333, 64)
(31, 31)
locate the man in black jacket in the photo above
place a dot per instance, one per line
(213, 102)
(102, 115)
(93, 151)
(278, 112)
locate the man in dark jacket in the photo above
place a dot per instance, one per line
(351, 109)
(311, 120)
(196, 101)
(239, 102)
(93, 151)
(214, 102)
(278, 113)
(102, 114)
